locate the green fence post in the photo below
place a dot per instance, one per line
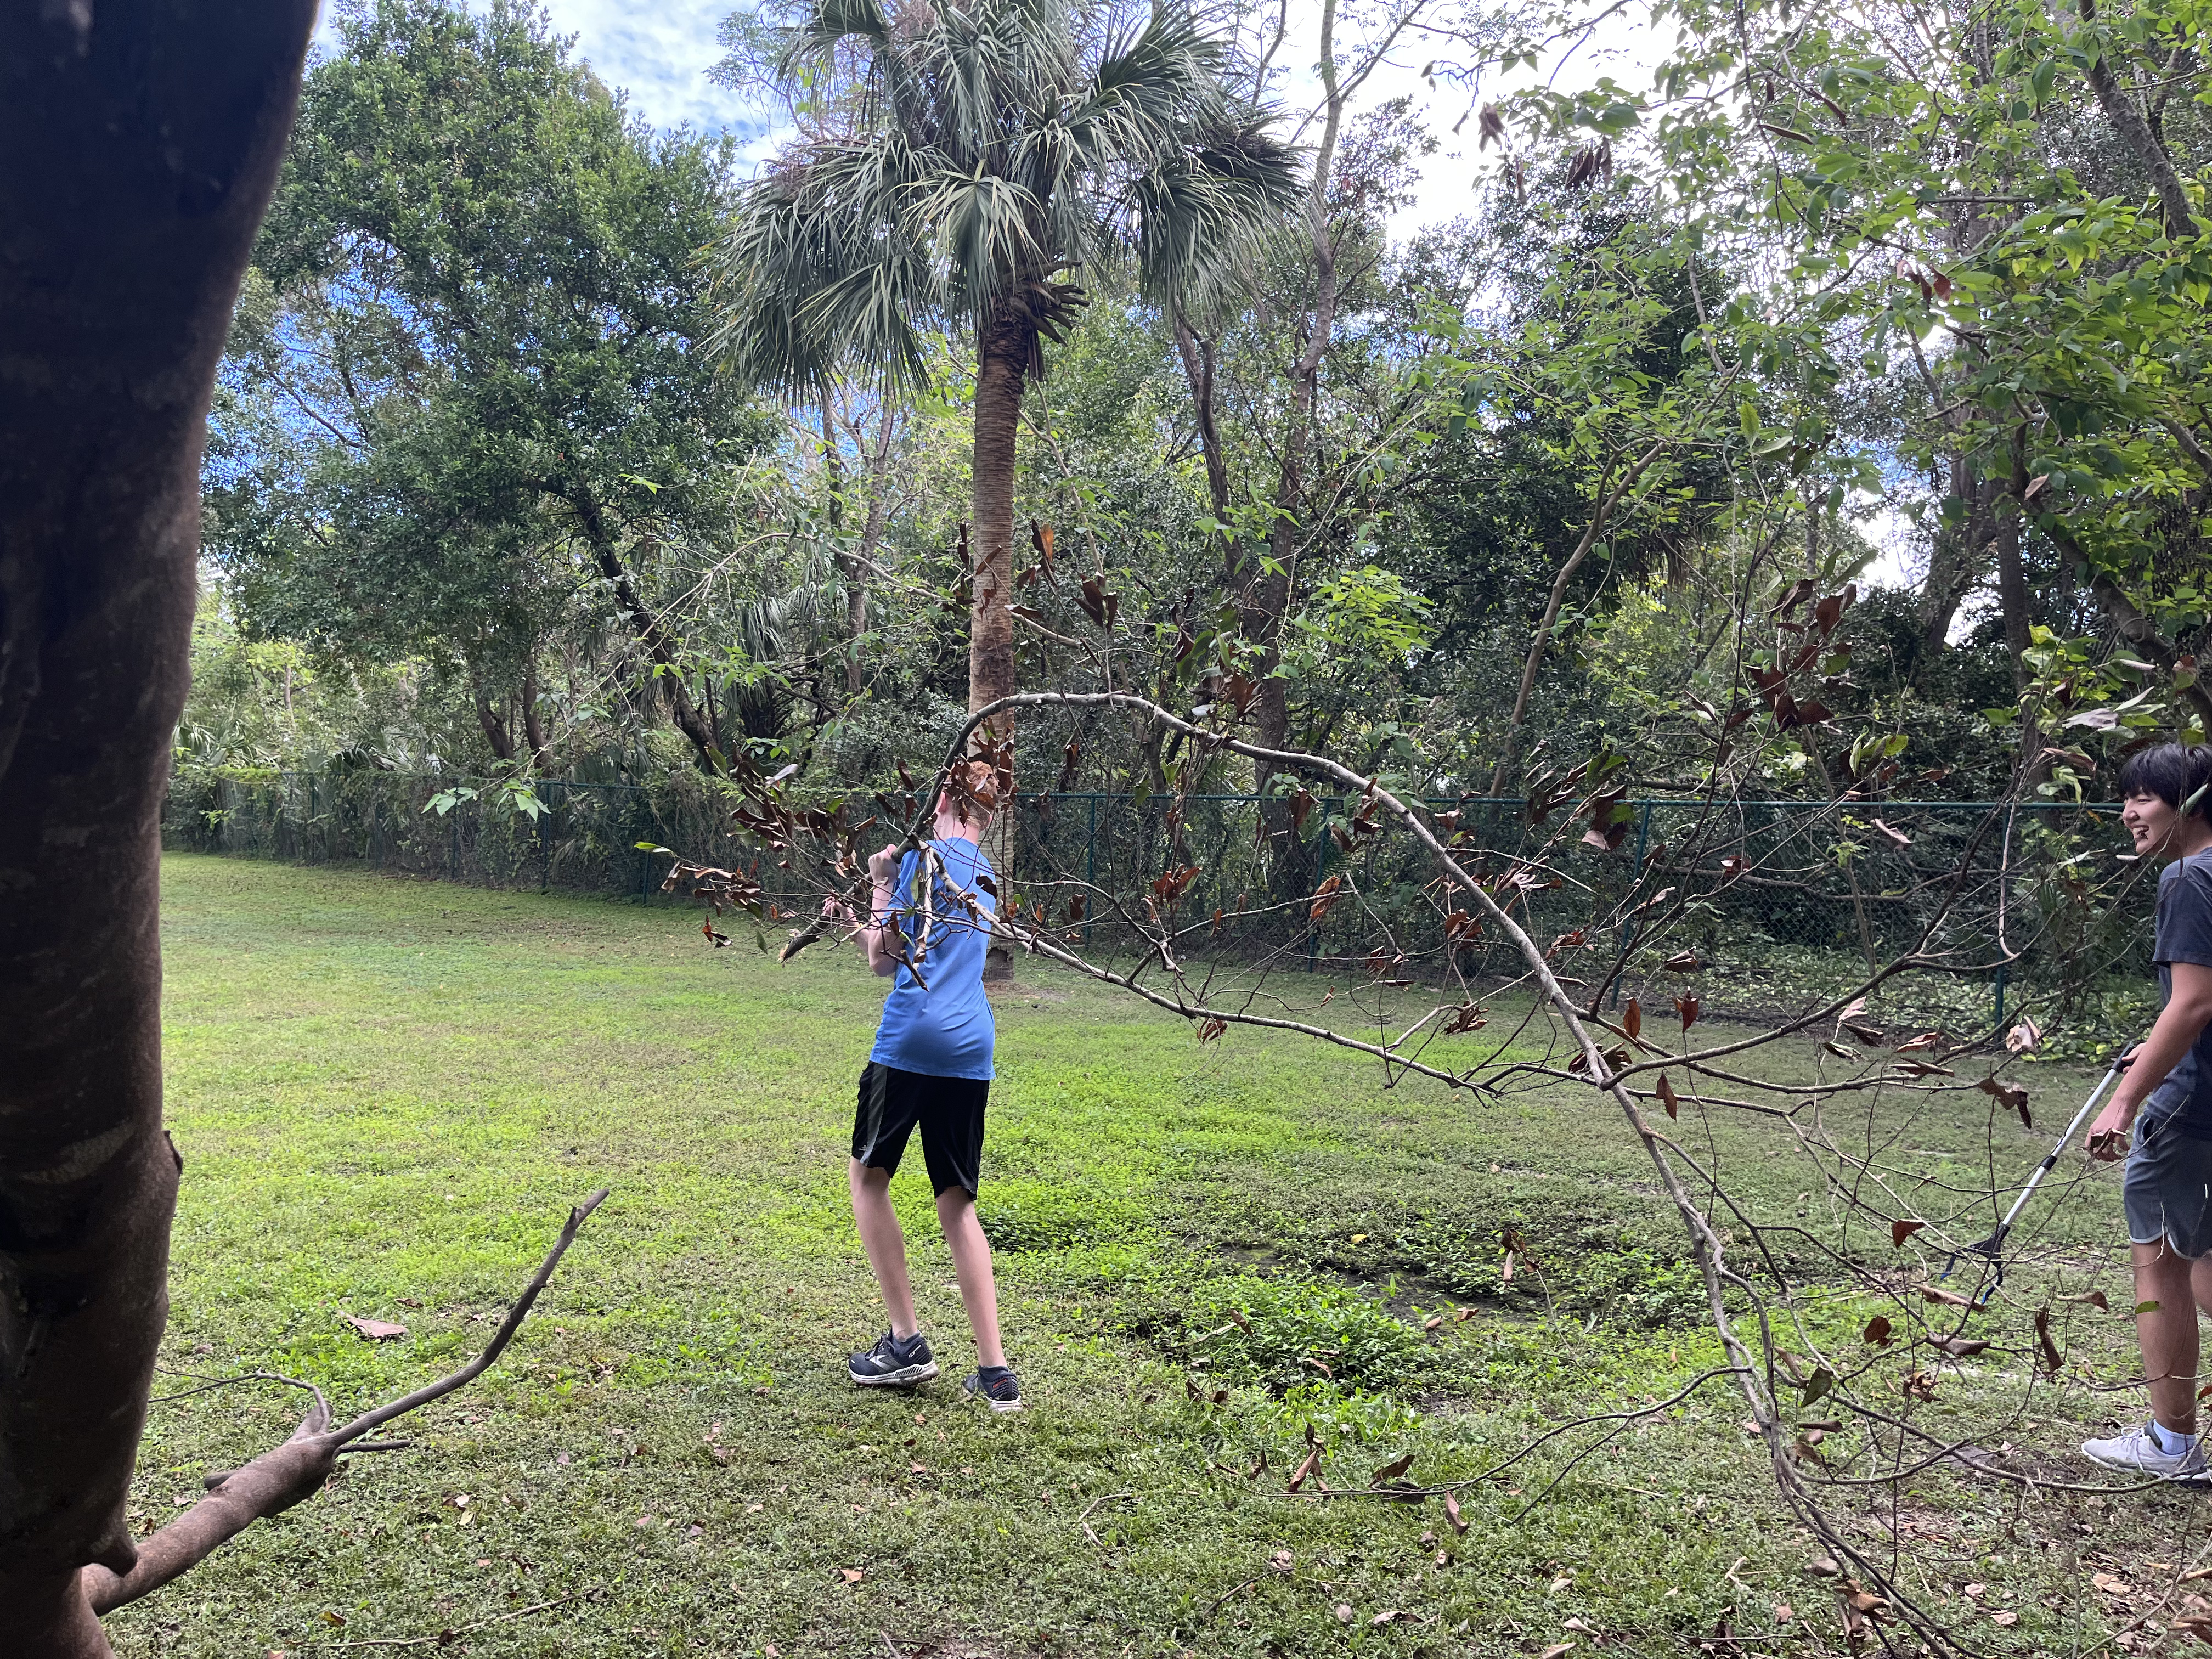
(1090, 865)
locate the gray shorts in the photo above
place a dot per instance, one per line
(2168, 1189)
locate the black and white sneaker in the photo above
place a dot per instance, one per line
(895, 1362)
(995, 1387)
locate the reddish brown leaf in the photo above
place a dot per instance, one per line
(1877, 1332)
(1451, 1513)
(2094, 1299)
(1687, 1008)
(2052, 1359)
(1682, 962)
(1667, 1098)
(1632, 1019)
(1305, 1469)
(1901, 1231)
(1325, 897)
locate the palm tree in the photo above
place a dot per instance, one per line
(963, 166)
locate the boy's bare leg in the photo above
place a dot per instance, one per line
(2167, 1332)
(885, 1242)
(971, 1264)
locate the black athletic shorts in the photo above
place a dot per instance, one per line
(950, 1110)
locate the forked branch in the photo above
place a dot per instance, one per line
(293, 1471)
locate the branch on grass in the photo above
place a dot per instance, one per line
(295, 1471)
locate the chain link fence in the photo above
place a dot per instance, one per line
(1781, 900)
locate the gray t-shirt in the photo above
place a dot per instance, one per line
(2185, 934)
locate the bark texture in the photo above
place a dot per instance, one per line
(1001, 365)
(141, 140)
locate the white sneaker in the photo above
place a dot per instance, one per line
(2137, 1452)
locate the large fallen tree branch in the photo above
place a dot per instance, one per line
(289, 1473)
(1706, 1245)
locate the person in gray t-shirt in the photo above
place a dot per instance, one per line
(2166, 1100)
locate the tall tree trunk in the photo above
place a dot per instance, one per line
(1003, 360)
(600, 536)
(1953, 563)
(142, 138)
(1197, 353)
(496, 729)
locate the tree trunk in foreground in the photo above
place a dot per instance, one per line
(141, 140)
(1000, 364)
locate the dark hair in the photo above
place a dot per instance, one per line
(2172, 773)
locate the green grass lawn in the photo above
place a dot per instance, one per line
(388, 1093)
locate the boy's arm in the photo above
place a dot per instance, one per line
(2183, 1020)
(875, 932)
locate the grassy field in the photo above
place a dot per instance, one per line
(387, 1094)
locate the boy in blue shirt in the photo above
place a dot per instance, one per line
(931, 1069)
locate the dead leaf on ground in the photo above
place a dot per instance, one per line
(852, 1575)
(377, 1330)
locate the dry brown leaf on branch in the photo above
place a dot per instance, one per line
(2024, 1036)
(1306, 1469)
(1632, 1019)
(1901, 1231)
(1960, 1347)
(1451, 1513)
(1878, 1331)
(2008, 1094)
(1667, 1097)
(2052, 1359)
(2093, 1298)
(1393, 1469)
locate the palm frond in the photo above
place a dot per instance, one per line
(963, 155)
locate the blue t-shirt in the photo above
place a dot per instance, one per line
(2185, 934)
(945, 1030)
